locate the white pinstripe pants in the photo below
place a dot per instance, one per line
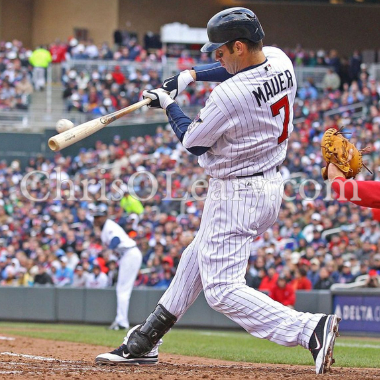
(129, 266)
(217, 259)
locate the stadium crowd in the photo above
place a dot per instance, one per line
(15, 76)
(105, 89)
(102, 90)
(53, 241)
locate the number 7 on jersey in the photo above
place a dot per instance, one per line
(275, 108)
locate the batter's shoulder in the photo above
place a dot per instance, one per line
(272, 52)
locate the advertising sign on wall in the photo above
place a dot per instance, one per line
(358, 313)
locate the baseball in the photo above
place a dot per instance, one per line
(63, 125)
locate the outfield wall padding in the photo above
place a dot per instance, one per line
(22, 146)
(98, 306)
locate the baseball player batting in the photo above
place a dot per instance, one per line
(241, 138)
(115, 238)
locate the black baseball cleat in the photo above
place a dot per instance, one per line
(322, 342)
(121, 356)
(115, 326)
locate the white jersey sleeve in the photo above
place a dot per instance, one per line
(207, 127)
(111, 230)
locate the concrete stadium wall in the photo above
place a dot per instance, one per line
(194, 13)
(16, 146)
(22, 146)
(16, 20)
(52, 19)
(49, 304)
(105, 135)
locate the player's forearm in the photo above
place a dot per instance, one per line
(208, 73)
(361, 193)
(180, 123)
(212, 72)
(114, 242)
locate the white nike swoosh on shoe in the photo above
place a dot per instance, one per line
(126, 356)
(318, 342)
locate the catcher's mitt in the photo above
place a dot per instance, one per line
(336, 149)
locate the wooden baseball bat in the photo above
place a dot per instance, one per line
(84, 130)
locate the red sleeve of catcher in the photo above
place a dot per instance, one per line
(361, 193)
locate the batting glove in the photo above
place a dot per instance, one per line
(176, 84)
(160, 98)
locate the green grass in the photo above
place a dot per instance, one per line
(227, 345)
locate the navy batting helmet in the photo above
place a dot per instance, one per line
(100, 210)
(232, 24)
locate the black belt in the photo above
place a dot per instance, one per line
(257, 174)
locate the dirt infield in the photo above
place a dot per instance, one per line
(29, 358)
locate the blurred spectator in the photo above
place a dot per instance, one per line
(269, 281)
(309, 91)
(185, 61)
(40, 60)
(112, 273)
(346, 275)
(376, 263)
(355, 62)
(58, 52)
(256, 280)
(80, 277)
(301, 282)
(131, 205)
(64, 275)
(283, 292)
(324, 281)
(118, 76)
(97, 279)
(373, 280)
(42, 278)
(313, 273)
(72, 258)
(331, 81)
(363, 269)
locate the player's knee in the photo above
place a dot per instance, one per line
(215, 298)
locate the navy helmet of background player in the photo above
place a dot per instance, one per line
(100, 214)
(241, 137)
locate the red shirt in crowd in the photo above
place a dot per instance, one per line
(285, 295)
(302, 283)
(267, 282)
(58, 53)
(118, 76)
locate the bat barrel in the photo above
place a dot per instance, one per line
(53, 145)
(84, 130)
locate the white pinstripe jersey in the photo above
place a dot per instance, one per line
(110, 230)
(247, 119)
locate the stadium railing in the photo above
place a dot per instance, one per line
(126, 67)
(360, 282)
(170, 68)
(374, 71)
